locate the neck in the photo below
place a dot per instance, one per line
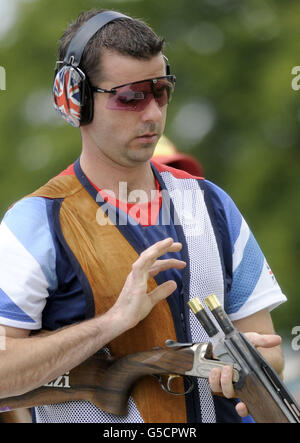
(106, 174)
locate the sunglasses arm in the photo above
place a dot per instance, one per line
(107, 91)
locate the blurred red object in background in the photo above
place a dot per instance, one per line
(167, 153)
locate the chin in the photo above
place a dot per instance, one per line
(143, 153)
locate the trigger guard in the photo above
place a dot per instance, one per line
(168, 387)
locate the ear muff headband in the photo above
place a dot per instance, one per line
(86, 32)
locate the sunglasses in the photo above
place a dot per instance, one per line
(137, 95)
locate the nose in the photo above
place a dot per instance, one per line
(153, 112)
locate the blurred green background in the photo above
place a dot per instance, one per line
(234, 109)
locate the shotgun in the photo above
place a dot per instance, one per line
(107, 381)
(259, 387)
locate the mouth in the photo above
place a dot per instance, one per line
(149, 137)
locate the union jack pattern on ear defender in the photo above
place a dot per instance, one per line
(67, 95)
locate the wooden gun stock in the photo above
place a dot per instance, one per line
(105, 381)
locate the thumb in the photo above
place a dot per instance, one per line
(162, 291)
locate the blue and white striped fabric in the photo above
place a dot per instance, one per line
(254, 286)
(28, 264)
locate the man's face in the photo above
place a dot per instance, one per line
(125, 137)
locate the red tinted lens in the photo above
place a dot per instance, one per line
(162, 91)
(136, 96)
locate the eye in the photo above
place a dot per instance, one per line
(161, 91)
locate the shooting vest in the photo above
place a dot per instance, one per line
(102, 258)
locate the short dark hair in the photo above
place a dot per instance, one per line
(125, 36)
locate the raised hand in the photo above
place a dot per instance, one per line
(134, 302)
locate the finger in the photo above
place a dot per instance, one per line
(215, 380)
(162, 291)
(150, 255)
(163, 265)
(163, 246)
(175, 247)
(226, 382)
(242, 410)
(263, 340)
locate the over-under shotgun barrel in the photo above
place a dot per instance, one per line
(266, 397)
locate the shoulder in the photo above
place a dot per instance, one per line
(27, 230)
(27, 263)
(224, 208)
(219, 196)
(176, 173)
(28, 215)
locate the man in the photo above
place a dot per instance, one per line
(107, 254)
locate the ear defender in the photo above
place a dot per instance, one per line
(67, 94)
(72, 93)
(73, 97)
